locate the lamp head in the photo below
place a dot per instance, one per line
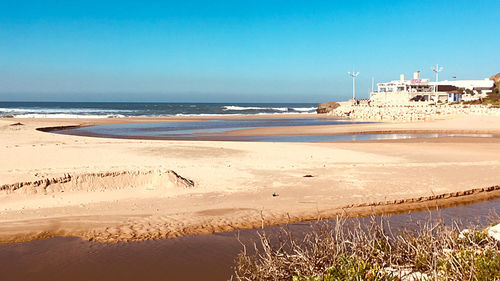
(437, 69)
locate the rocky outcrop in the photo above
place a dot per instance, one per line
(409, 112)
(496, 78)
(327, 107)
(494, 232)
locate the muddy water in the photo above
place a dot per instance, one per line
(195, 257)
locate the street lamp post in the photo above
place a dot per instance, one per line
(353, 75)
(437, 69)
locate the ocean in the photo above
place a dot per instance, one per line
(119, 109)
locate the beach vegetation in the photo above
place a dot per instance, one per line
(361, 250)
(492, 99)
(466, 91)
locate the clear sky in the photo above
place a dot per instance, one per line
(236, 51)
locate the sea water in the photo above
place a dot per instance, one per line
(113, 109)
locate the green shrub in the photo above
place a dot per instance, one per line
(350, 269)
(479, 265)
(373, 252)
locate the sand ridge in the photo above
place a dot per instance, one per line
(100, 182)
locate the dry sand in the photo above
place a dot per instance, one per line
(121, 190)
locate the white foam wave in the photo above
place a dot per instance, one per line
(205, 114)
(240, 108)
(284, 113)
(61, 110)
(243, 114)
(63, 115)
(304, 108)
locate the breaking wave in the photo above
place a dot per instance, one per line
(269, 109)
(109, 110)
(241, 108)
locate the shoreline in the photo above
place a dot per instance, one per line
(232, 181)
(268, 131)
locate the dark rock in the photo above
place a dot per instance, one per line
(327, 107)
(495, 78)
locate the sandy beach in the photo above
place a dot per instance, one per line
(131, 189)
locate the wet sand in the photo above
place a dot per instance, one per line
(60, 185)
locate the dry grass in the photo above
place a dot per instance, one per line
(352, 250)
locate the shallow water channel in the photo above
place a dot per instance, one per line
(194, 257)
(215, 130)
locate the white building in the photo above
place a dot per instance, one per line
(413, 85)
(481, 86)
(423, 90)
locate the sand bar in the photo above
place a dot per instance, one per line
(123, 189)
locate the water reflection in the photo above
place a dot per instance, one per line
(214, 129)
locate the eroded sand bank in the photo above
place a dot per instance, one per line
(114, 189)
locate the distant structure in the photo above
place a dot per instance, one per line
(353, 75)
(437, 69)
(404, 91)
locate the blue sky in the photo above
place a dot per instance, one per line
(236, 51)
